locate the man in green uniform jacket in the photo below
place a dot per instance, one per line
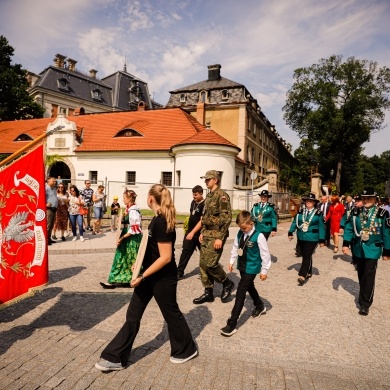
(216, 219)
(264, 215)
(367, 232)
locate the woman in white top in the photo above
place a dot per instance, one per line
(74, 203)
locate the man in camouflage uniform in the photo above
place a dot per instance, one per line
(216, 219)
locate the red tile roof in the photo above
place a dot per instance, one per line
(160, 129)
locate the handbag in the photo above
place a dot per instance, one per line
(83, 210)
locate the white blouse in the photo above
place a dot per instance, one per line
(135, 221)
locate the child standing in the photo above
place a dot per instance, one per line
(115, 206)
(251, 249)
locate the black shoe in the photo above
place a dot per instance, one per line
(123, 285)
(51, 241)
(208, 296)
(227, 290)
(363, 311)
(180, 275)
(63, 238)
(229, 329)
(108, 285)
(258, 311)
(301, 280)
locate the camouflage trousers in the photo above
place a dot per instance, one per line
(210, 269)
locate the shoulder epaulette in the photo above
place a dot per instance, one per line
(381, 212)
(271, 204)
(255, 204)
(319, 212)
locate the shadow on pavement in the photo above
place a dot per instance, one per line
(297, 267)
(248, 306)
(348, 285)
(65, 273)
(78, 311)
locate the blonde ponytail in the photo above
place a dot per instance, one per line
(167, 209)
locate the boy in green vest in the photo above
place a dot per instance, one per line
(250, 249)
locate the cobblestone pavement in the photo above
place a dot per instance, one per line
(310, 338)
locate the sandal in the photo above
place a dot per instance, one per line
(336, 249)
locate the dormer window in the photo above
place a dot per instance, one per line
(183, 98)
(129, 132)
(203, 97)
(225, 94)
(63, 84)
(96, 94)
(23, 137)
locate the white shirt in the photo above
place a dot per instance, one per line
(263, 247)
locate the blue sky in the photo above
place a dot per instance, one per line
(169, 43)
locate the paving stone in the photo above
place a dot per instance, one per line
(310, 338)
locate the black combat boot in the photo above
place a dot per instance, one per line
(227, 288)
(208, 296)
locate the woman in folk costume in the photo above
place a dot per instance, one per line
(311, 230)
(127, 245)
(264, 215)
(367, 232)
(335, 215)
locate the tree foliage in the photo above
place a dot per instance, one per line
(15, 102)
(337, 105)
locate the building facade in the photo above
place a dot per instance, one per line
(229, 109)
(133, 149)
(62, 89)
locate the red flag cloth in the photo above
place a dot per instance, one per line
(23, 233)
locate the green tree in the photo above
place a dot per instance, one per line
(15, 102)
(337, 105)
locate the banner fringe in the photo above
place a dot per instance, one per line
(30, 293)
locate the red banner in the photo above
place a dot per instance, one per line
(23, 256)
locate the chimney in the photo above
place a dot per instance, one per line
(59, 60)
(200, 113)
(214, 72)
(93, 72)
(72, 64)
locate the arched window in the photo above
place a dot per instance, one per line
(225, 94)
(203, 97)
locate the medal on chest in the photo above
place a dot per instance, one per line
(365, 234)
(260, 217)
(305, 227)
(240, 252)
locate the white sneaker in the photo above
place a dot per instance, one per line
(74, 238)
(82, 238)
(183, 360)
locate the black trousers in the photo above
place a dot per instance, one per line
(163, 289)
(307, 248)
(366, 273)
(327, 232)
(189, 247)
(50, 217)
(246, 284)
